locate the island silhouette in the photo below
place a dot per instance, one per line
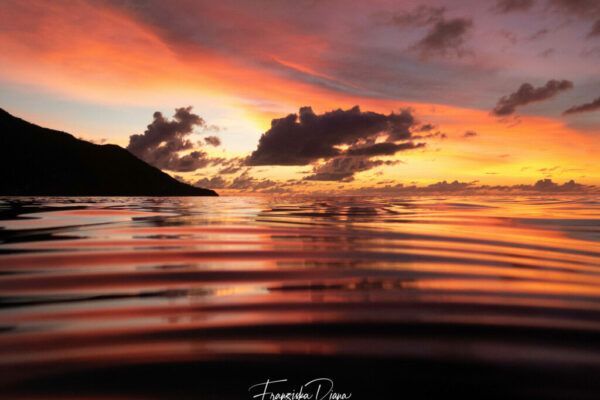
(36, 161)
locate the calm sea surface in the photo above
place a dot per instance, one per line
(204, 297)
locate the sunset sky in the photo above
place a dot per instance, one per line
(499, 92)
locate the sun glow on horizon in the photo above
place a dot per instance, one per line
(110, 67)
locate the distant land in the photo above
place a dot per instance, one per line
(36, 161)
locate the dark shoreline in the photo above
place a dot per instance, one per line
(36, 161)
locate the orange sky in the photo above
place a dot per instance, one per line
(99, 69)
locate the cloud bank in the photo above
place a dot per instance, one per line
(343, 168)
(542, 186)
(243, 182)
(345, 139)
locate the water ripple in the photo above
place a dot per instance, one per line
(92, 287)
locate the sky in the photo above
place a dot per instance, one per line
(332, 96)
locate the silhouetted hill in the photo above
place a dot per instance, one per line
(40, 161)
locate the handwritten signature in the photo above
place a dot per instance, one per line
(317, 389)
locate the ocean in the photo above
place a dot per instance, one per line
(201, 298)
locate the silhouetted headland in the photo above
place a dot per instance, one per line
(44, 162)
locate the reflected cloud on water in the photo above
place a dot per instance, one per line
(177, 280)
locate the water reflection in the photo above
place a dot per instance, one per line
(119, 284)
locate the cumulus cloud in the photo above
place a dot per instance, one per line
(212, 141)
(508, 6)
(446, 37)
(587, 107)
(344, 168)
(301, 139)
(527, 94)
(346, 140)
(164, 139)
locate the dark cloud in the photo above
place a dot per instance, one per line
(187, 163)
(229, 165)
(212, 141)
(216, 182)
(382, 149)
(426, 128)
(528, 94)
(344, 168)
(595, 30)
(539, 34)
(584, 8)
(305, 138)
(471, 188)
(161, 131)
(247, 182)
(546, 185)
(448, 187)
(163, 139)
(446, 37)
(468, 134)
(587, 107)
(232, 169)
(420, 16)
(366, 66)
(442, 187)
(438, 134)
(507, 6)
(243, 182)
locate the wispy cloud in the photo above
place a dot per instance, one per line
(527, 94)
(587, 107)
